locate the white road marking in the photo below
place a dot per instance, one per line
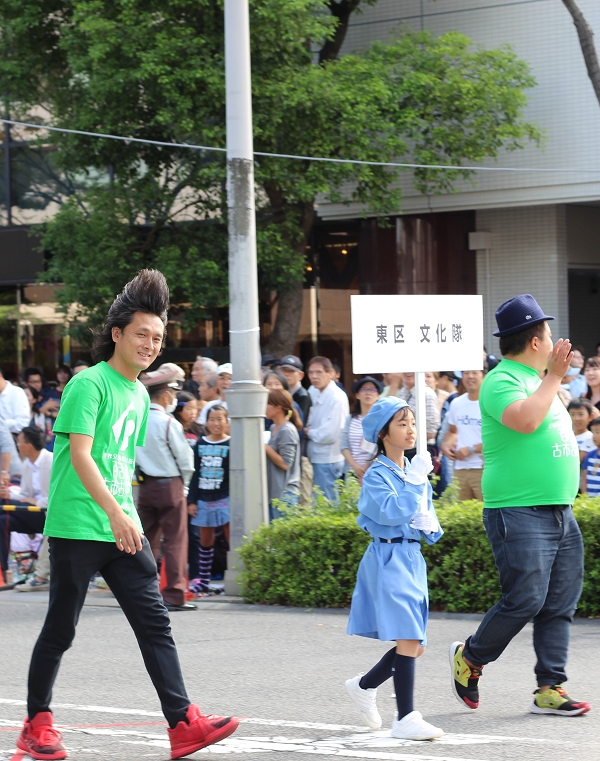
(139, 712)
(93, 709)
(358, 743)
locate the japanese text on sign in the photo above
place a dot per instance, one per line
(440, 331)
(416, 333)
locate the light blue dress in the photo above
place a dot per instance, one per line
(390, 600)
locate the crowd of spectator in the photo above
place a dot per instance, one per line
(312, 440)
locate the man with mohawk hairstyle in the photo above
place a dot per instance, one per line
(92, 523)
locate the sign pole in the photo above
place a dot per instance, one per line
(421, 413)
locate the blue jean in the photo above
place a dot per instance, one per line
(539, 556)
(289, 497)
(325, 474)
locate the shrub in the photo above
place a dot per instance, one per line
(310, 558)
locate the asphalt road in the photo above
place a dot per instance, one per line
(284, 670)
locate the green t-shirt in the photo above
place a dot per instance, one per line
(101, 403)
(525, 469)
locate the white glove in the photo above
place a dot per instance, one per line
(420, 466)
(425, 522)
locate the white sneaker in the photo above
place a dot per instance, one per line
(414, 727)
(365, 702)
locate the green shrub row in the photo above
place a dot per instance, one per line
(310, 558)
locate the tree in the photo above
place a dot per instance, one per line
(586, 41)
(155, 71)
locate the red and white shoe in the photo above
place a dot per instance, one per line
(40, 739)
(198, 732)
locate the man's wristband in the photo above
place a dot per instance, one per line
(472, 450)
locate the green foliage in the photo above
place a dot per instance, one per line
(310, 558)
(155, 70)
(587, 512)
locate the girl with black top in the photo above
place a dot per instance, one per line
(208, 496)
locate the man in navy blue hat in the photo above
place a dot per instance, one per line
(530, 481)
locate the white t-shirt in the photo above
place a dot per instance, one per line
(585, 441)
(466, 416)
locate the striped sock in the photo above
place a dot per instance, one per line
(205, 564)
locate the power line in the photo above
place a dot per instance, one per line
(355, 24)
(401, 165)
(114, 137)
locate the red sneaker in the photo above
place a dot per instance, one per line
(40, 739)
(199, 731)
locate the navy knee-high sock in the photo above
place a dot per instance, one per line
(379, 673)
(403, 671)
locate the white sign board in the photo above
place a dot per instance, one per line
(394, 334)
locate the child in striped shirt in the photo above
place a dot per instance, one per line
(590, 478)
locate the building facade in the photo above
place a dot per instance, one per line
(541, 228)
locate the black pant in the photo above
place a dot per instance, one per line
(21, 521)
(133, 581)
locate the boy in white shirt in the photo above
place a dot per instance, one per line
(463, 440)
(582, 414)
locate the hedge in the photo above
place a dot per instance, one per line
(310, 558)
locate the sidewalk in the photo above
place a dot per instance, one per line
(104, 598)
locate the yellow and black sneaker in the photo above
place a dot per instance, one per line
(465, 678)
(556, 701)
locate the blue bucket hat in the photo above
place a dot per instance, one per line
(380, 413)
(517, 314)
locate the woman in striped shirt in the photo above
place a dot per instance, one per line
(357, 452)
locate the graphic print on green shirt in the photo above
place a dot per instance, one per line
(101, 403)
(525, 469)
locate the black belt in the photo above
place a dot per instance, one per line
(398, 540)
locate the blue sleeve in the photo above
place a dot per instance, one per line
(388, 504)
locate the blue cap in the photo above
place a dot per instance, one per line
(380, 413)
(517, 314)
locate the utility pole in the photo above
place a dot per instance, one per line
(247, 397)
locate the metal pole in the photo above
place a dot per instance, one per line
(7, 173)
(19, 334)
(421, 413)
(488, 299)
(247, 398)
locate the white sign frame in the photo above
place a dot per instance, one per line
(395, 333)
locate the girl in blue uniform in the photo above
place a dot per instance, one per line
(390, 600)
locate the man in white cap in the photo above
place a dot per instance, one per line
(224, 373)
(166, 466)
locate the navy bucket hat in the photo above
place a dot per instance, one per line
(517, 314)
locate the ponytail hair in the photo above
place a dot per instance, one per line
(283, 399)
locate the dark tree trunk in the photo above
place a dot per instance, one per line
(289, 305)
(342, 11)
(586, 41)
(287, 323)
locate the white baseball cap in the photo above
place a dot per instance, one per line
(226, 368)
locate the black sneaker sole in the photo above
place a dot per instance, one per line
(533, 708)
